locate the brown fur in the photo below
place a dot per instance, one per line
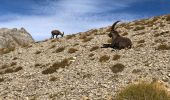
(56, 32)
(118, 42)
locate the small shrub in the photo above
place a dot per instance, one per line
(144, 91)
(91, 55)
(76, 44)
(53, 46)
(163, 47)
(15, 58)
(94, 48)
(70, 36)
(117, 68)
(56, 66)
(60, 49)
(38, 52)
(116, 57)
(109, 41)
(87, 39)
(125, 33)
(53, 78)
(141, 41)
(72, 50)
(11, 70)
(17, 69)
(82, 36)
(139, 28)
(54, 40)
(1, 79)
(104, 58)
(168, 18)
(13, 63)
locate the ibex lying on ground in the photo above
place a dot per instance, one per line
(118, 42)
(56, 32)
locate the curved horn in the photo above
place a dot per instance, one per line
(113, 26)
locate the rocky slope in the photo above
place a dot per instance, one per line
(11, 38)
(77, 68)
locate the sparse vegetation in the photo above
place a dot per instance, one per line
(56, 66)
(13, 63)
(163, 47)
(109, 40)
(116, 57)
(53, 46)
(94, 48)
(87, 39)
(104, 58)
(38, 52)
(70, 36)
(11, 70)
(125, 33)
(117, 68)
(53, 78)
(168, 18)
(6, 50)
(60, 49)
(1, 79)
(144, 91)
(141, 41)
(139, 28)
(91, 55)
(72, 50)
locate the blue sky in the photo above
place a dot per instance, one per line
(39, 17)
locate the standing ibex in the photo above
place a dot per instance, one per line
(118, 42)
(56, 32)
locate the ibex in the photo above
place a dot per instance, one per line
(56, 32)
(118, 42)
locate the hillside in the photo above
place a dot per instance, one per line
(75, 67)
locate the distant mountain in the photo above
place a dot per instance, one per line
(75, 67)
(12, 38)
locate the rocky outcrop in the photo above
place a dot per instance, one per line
(11, 38)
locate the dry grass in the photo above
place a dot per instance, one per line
(141, 41)
(91, 55)
(116, 57)
(60, 49)
(139, 28)
(104, 58)
(72, 50)
(1, 79)
(125, 33)
(87, 39)
(163, 47)
(6, 50)
(109, 40)
(144, 91)
(117, 68)
(56, 66)
(168, 18)
(38, 52)
(94, 48)
(70, 36)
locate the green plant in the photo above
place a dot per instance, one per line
(94, 48)
(60, 49)
(104, 58)
(72, 50)
(116, 57)
(117, 68)
(144, 91)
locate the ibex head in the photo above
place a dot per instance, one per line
(113, 33)
(62, 34)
